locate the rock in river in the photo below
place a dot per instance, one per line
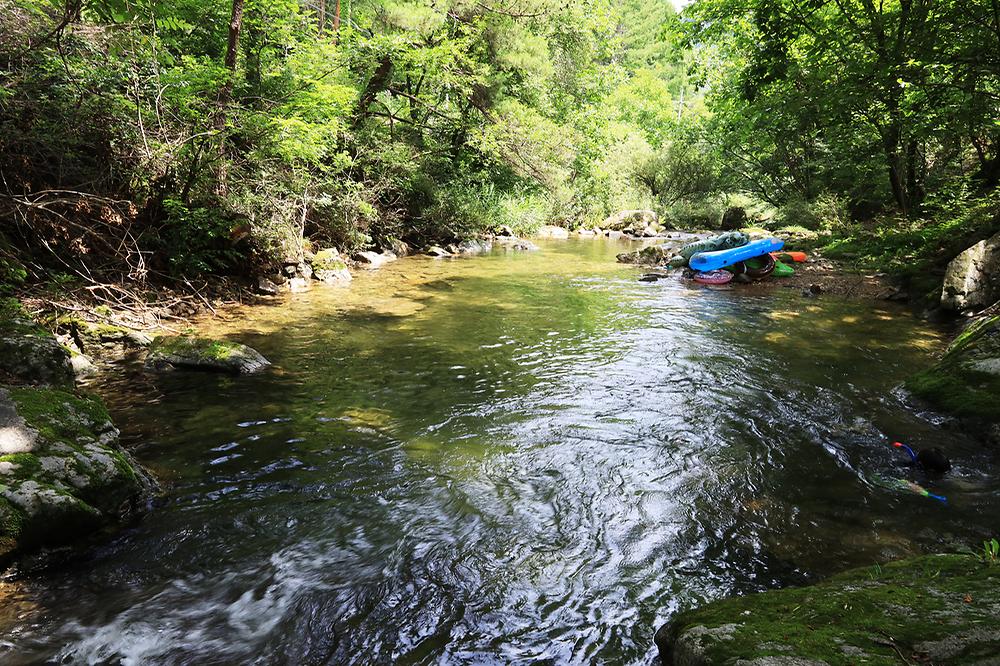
(62, 474)
(330, 267)
(205, 354)
(372, 259)
(552, 231)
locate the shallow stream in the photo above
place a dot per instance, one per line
(510, 459)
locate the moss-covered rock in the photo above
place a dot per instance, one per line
(328, 266)
(205, 354)
(966, 381)
(938, 609)
(651, 255)
(62, 474)
(28, 352)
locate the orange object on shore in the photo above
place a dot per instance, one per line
(789, 256)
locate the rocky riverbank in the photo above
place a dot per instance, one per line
(63, 475)
(938, 609)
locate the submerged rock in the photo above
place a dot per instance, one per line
(62, 473)
(938, 609)
(205, 354)
(973, 278)
(966, 381)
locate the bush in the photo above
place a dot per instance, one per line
(827, 212)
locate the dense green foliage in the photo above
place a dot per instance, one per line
(132, 137)
(864, 107)
(144, 139)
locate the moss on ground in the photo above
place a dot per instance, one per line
(59, 415)
(27, 465)
(910, 604)
(959, 383)
(918, 249)
(220, 350)
(328, 260)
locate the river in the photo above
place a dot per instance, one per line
(510, 459)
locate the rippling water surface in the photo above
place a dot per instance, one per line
(523, 458)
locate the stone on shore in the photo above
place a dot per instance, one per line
(972, 280)
(437, 251)
(62, 473)
(552, 231)
(28, 352)
(372, 260)
(204, 354)
(937, 609)
(330, 267)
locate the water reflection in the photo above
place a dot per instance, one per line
(522, 458)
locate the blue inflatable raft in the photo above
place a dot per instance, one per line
(710, 261)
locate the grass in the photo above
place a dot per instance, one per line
(918, 249)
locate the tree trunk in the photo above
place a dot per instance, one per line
(336, 21)
(322, 16)
(226, 95)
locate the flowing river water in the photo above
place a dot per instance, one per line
(510, 459)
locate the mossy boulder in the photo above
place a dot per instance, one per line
(62, 473)
(204, 354)
(328, 266)
(939, 609)
(966, 381)
(28, 352)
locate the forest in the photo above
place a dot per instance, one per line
(144, 140)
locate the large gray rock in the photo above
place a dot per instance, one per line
(972, 280)
(473, 246)
(515, 243)
(397, 247)
(437, 251)
(204, 354)
(372, 260)
(62, 473)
